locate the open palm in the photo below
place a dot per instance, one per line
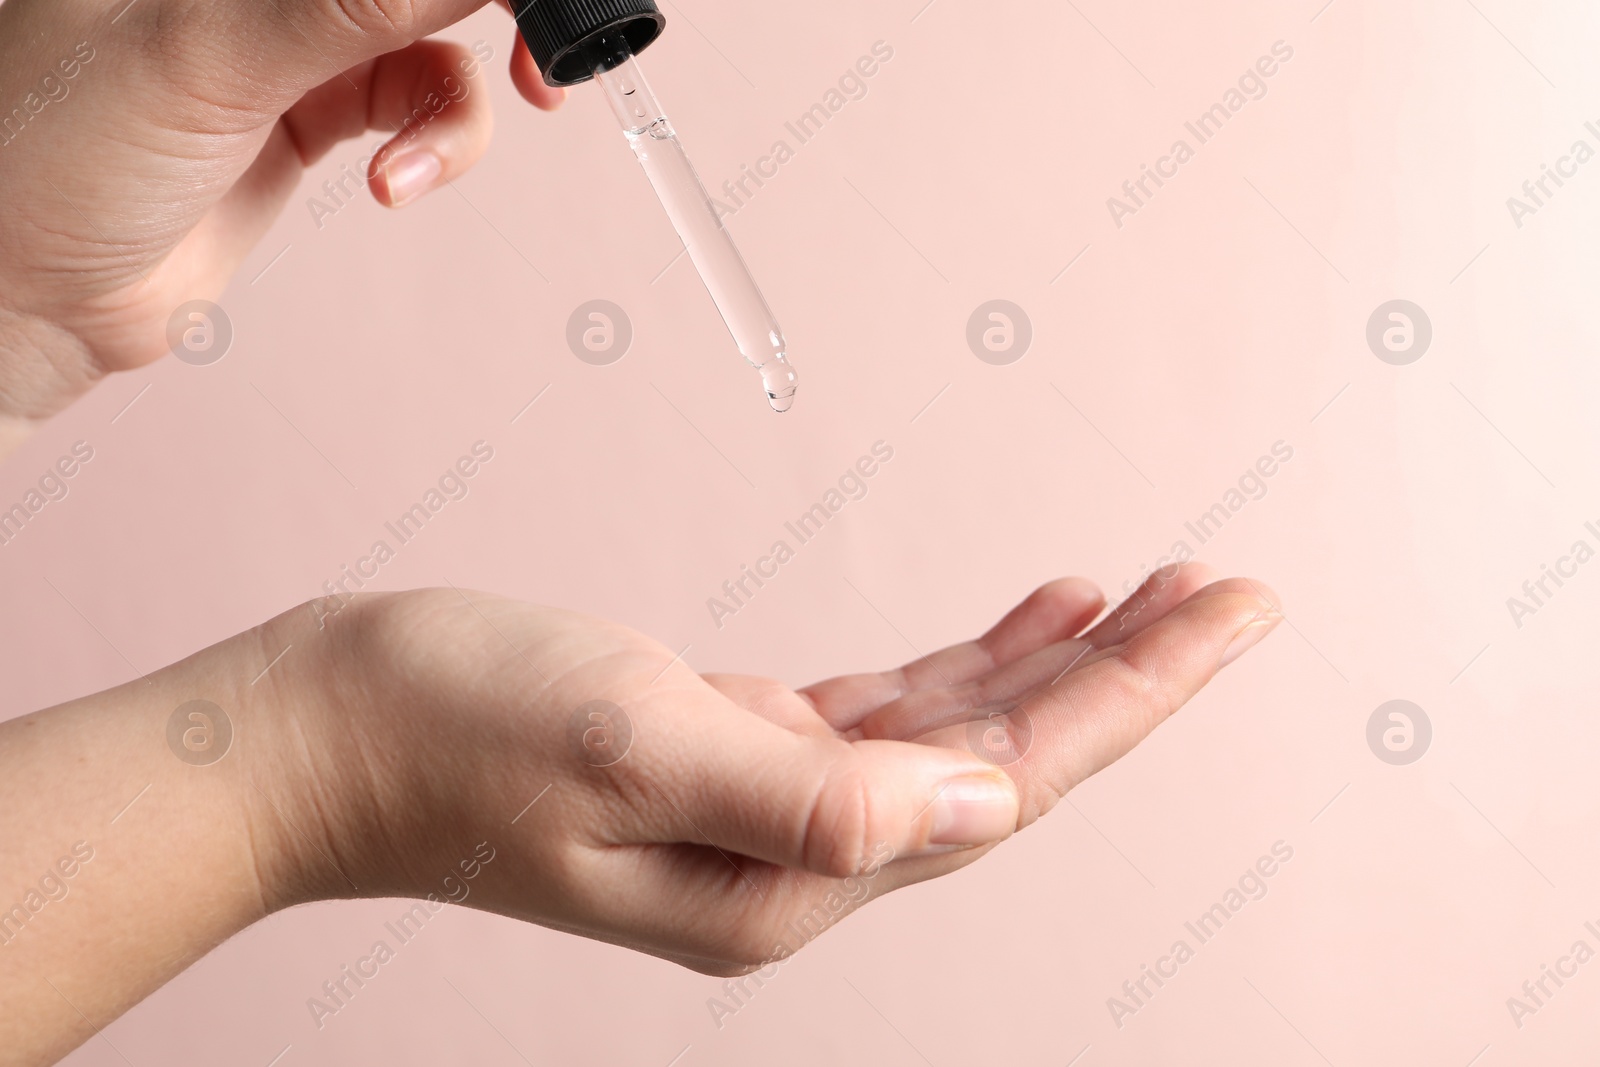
(696, 817)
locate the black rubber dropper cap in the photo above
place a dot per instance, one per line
(561, 34)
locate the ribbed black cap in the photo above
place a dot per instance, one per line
(558, 30)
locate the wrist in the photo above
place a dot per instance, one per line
(343, 793)
(296, 785)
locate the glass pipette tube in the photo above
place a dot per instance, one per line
(709, 244)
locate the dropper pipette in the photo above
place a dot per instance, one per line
(749, 319)
(573, 41)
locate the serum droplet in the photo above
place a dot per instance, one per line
(780, 381)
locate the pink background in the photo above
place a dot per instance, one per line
(1223, 317)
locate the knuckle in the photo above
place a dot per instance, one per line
(1136, 683)
(839, 822)
(384, 19)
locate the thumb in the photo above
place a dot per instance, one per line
(833, 807)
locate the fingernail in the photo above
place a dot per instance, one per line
(973, 811)
(410, 175)
(1251, 636)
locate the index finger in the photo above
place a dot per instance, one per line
(1053, 612)
(525, 73)
(1095, 714)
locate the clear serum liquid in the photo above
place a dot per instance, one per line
(737, 297)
